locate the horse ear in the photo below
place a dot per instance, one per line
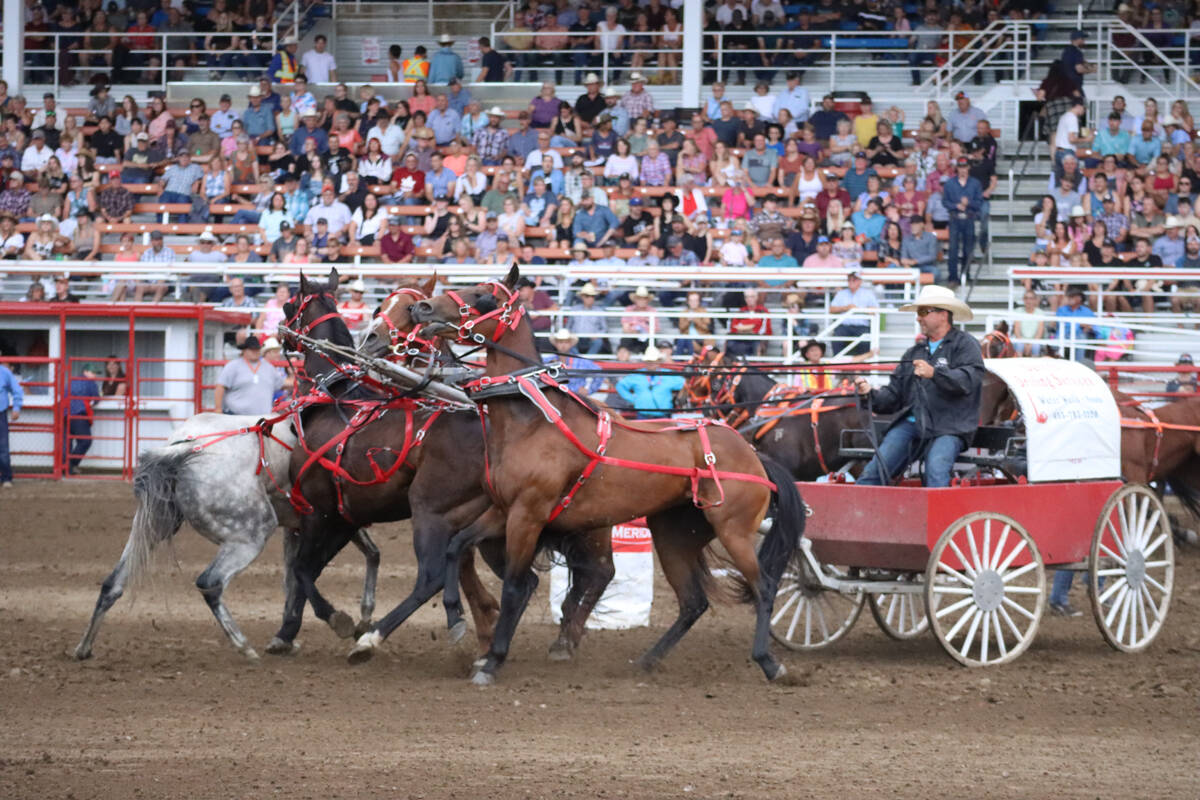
(428, 286)
(303, 284)
(333, 278)
(514, 275)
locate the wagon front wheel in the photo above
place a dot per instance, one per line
(1131, 568)
(985, 589)
(808, 616)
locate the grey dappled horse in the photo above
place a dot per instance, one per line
(216, 490)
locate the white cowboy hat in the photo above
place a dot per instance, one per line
(1172, 222)
(591, 77)
(652, 353)
(588, 288)
(641, 291)
(563, 335)
(495, 111)
(290, 40)
(357, 286)
(941, 297)
(445, 38)
(637, 77)
(271, 344)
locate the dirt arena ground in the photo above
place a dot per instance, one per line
(167, 709)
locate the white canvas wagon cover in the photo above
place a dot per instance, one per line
(1072, 423)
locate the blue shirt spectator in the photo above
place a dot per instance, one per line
(83, 391)
(651, 395)
(1144, 150)
(302, 134)
(11, 394)
(582, 385)
(595, 220)
(445, 63)
(953, 191)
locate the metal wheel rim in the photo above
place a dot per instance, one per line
(807, 618)
(900, 615)
(1131, 568)
(988, 612)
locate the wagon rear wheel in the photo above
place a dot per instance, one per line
(807, 616)
(1131, 568)
(900, 615)
(985, 589)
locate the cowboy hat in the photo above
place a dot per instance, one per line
(941, 297)
(495, 111)
(641, 291)
(637, 77)
(814, 343)
(591, 77)
(651, 353)
(445, 38)
(579, 246)
(563, 335)
(357, 286)
(588, 289)
(251, 343)
(271, 344)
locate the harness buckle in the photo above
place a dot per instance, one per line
(478, 338)
(710, 458)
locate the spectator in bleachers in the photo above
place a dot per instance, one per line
(44, 243)
(308, 130)
(12, 242)
(283, 66)
(494, 67)
(1075, 308)
(15, 199)
(180, 182)
(1145, 149)
(1169, 246)
(1143, 258)
(1150, 222)
(319, 64)
(921, 249)
(34, 159)
(445, 63)
(492, 142)
(758, 325)
(823, 258)
(848, 247)
(760, 164)
(284, 244)
(1114, 140)
(962, 123)
(1186, 296)
(963, 197)
(333, 211)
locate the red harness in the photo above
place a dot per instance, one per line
(530, 388)
(413, 343)
(1158, 434)
(508, 314)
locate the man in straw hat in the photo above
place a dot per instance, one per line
(934, 391)
(564, 343)
(445, 64)
(584, 322)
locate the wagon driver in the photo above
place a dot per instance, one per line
(934, 391)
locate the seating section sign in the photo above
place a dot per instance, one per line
(627, 600)
(1072, 423)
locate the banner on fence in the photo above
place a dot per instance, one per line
(627, 601)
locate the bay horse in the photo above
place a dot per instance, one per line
(368, 457)
(557, 462)
(1161, 447)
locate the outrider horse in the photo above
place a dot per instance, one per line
(1162, 446)
(369, 457)
(557, 462)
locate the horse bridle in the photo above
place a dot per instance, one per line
(507, 314)
(413, 342)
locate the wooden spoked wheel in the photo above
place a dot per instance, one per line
(985, 589)
(1131, 568)
(808, 616)
(900, 615)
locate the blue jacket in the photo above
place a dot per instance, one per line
(953, 191)
(650, 391)
(445, 65)
(10, 387)
(296, 145)
(82, 393)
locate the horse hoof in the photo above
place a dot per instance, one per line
(342, 624)
(482, 678)
(278, 647)
(780, 673)
(647, 664)
(457, 631)
(364, 649)
(363, 626)
(561, 651)
(83, 653)
(250, 655)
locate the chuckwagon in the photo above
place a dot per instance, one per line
(969, 562)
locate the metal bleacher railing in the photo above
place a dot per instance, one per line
(789, 327)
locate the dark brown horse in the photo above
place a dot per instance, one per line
(387, 459)
(560, 464)
(801, 431)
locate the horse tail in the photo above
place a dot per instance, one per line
(1189, 495)
(159, 515)
(782, 540)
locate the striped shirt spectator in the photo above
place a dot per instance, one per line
(656, 167)
(491, 144)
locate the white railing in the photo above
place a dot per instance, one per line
(45, 66)
(1067, 337)
(1100, 278)
(836, 49)
(450, 12)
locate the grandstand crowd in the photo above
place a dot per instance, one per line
(300, 169)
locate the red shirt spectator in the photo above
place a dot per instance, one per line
(141, 42)
(824, 197)
(397, 246)
(418, 177)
